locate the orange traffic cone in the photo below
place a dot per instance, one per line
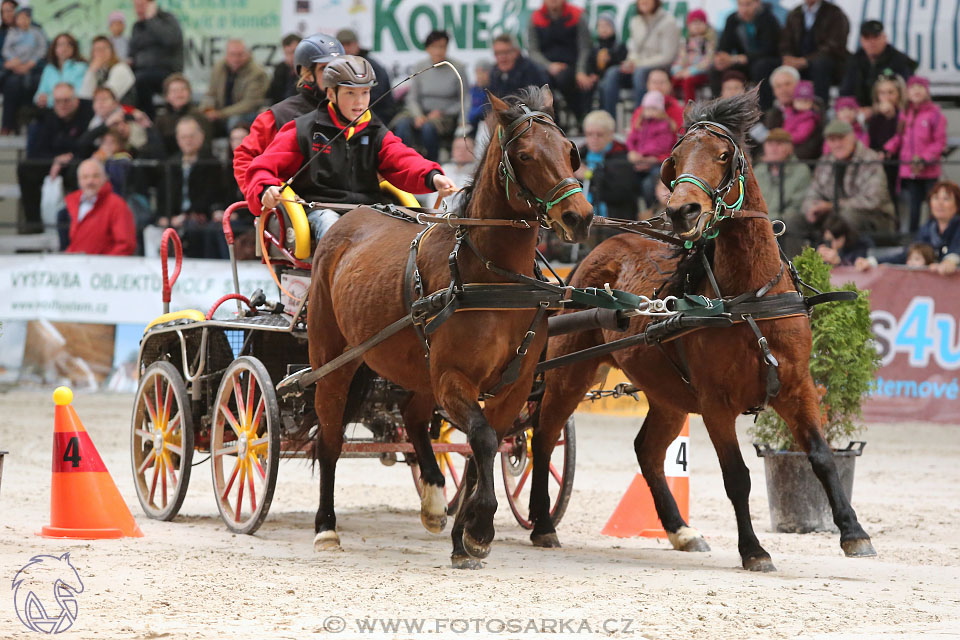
(84, 501)
(636, 514)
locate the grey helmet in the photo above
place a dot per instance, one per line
(349, 71)
(316, 49)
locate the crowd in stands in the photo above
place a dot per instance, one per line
(849, 143)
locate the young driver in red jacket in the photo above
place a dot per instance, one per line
(346, 171)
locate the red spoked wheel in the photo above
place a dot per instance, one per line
(517, 467)
(245, 444)
(453, 465)
(161, 441)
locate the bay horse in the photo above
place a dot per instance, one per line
(718, 373)
(358, 287)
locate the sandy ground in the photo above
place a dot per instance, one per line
(192, 578)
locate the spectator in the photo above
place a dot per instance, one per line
(815, 43)
(109, 113)
(607, 52)
(513, 71)
(433, 102)
(875, 56)
(850, 182)
(920, 255)
(606, 171)
(920, 140)
(238, 88)
(64, 64)
(653, 43)
(659, 80)
(691, 69)
(847, 109)
(841, 244)
(478, 95)
(107, 70)
(237, 134)
(650, 142)
(117, 24)
(558, 38)
(784, 81)
(460, 169)
(156, 51)
(244, 230)
(800, 119)
(750, 44)
(941, 233)
(387, 107)
(55, 138)
(8, 12)
(889, 99)
(114, 153)
(100, 221)
(284, 83)
(783, 182)
(734, 84)
(178, 97)
(23, 50)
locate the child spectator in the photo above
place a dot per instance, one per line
(841, 244)
(117, 23)
(920, 140)
(23, 50)
(800, 119)
(650, 142)
(889, 98)
(116, 159)
(659, 80)
(107, 70)
(606, 53)
(920, 255)
(691, 69)
(848, 110)
(478, 95)
(734, 83)
(64, 64)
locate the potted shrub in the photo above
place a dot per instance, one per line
(843, 361)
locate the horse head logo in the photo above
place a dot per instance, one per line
(45, 593)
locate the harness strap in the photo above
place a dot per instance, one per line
(512, 370)
(773, 379)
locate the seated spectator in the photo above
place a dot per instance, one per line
(238, 88)
(691, 69)
(606, 171)
(889, 99)
(156, 51)
(750, 44)
(841, 244)
(783, 182)
(64, 64)
(659, 80)
(650, 141)
(920, 140)
(107, 114)
(242, 223)
(178, 97)
(115, 156)
(814, 42)
(784, 81)
(237, 134)
(433, 102)
(55, 137)
(558, 38)
(8, 13)
(850, 182)
(653, 44)
(478, 95)
(386, 107)
(284, 82)
(800, 119)
(100, 221)
(734, 84)
(513, 71)
(107, 70)
(24, 48)
(920, 255)
(607, 52)
(875, 56)
(941, 232)
(116, 25)
(847, 109)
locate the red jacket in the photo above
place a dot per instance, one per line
(673, 108)
(107, 229)
(262, 132)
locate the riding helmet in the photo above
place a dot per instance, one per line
(349, 71)
(316, 49)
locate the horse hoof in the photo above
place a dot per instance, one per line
(545, 540)
(860, 548)
(696, 545)
(326, 541)
(465, 562)
(474, 548)
(688, 539)
(433, 509)
(763, 564)
(432, 522)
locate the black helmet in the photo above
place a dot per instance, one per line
(316, 49)
(349, 71)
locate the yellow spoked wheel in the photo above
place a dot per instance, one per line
(452, 464)
(161, 441)
(245, 444)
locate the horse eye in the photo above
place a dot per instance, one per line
(524, 157)
(724, 156)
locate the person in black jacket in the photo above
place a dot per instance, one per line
(749, 43)
(387, 109)
(875, 57)
(607, 173)
(156, 51)
(513, 71)
(814, 42)
(284, 82)
(607, 52)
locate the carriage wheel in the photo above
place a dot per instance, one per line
(245, 444)
(453, 465)
(161, 441)
(517, 466)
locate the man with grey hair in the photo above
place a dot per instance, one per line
(783, 81)
(99, 221)
(238, 88)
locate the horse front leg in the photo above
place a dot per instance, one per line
(433, 503)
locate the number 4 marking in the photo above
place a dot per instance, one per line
(72, 453)
(682, 456)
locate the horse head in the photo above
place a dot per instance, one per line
(707, 169)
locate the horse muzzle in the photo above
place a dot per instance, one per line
(689, 220)
(572, 226)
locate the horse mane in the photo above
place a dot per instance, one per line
(535, 99)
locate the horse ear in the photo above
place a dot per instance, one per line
(668, 172)
(497, 103)
(574, 156)
(547, 97)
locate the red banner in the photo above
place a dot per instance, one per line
(914, 316)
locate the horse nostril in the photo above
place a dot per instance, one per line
(570, 219)
(690, 209)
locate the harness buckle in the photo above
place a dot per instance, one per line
(527, 337)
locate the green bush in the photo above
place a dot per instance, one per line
(843, 361)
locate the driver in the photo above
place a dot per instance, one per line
(346, 171)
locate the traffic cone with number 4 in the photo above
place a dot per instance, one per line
(84, 501)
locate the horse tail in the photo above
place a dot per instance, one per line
(360, 388)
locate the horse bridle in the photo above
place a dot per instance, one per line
(736, 174)
(510, 134)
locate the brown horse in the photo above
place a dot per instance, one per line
(357, 289)
(725, 371)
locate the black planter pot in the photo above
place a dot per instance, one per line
(798, 503)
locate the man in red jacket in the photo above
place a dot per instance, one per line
(100, 221)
